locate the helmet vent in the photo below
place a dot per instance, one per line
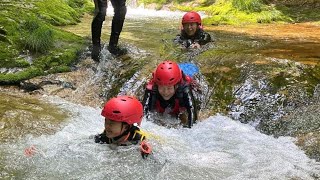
(116, 112)
(123, 100)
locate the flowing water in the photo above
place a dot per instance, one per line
(215, 148)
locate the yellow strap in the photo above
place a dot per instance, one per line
(142, 136)
(150, 135)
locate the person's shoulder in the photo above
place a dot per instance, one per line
(178, 38)
(137, 136)
(203, 32)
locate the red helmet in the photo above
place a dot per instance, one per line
(123, 109)
(191, 17)
(167, 73)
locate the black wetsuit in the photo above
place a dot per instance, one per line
(200, 37)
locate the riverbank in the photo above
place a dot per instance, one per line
(307, 31)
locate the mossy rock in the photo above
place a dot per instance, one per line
(26, 29)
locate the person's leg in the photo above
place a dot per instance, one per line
(120, 11)
(96, 26)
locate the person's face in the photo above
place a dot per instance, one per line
(190, 28)
(166, 91)
(114, 128)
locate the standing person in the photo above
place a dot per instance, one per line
(120, 11)
(192, 34)
(123, 116)
(168, 92)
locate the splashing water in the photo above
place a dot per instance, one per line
(217, 148)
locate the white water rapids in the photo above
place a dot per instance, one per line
(216, 148)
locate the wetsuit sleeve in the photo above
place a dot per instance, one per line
(182, 41)
(204, 38)
(190, 106)
(102, 138)
(177, 39)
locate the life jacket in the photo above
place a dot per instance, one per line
(179, 104)
(133, 136)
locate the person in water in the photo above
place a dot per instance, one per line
(123, 116)
(192, 34)
(168, 92)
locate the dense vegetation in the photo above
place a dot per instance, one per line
(237, 12)
(30, 42)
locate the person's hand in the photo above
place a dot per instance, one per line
(30, 151)
(145, 149)
(195, 45)
(183, 118)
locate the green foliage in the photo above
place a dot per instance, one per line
(242, 12)
(28, 73)
(237, 12)
(161, 2)
(22, 63)
(181, 1)
(81, 6)
(57, 12)
(59, 69)
(26, 25)
(207, 2)
(301, 13)
(39, 37)
(247, 5)
(7, 54)
(31, 24)
(77, 4)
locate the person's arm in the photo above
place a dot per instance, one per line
(185, 43)
(177, 39)
(102, 138)
(204, 38)
(190, 107)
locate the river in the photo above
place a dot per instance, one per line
(215, 148)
